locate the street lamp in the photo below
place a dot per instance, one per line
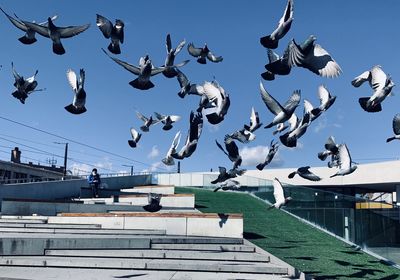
(131, 166)
(65, 157)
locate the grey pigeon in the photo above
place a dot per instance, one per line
(243, 136)
(271, 41)
(23, 86)
(345, 163)
(186, 87)
(196, 126)
(167, 120)
(273, 149)
(232, 151)
(147, 121)
(314, 58)
(56, 33)
(331, 149)
(254, 121)
(226, 175)
(282, 113)
(144, 71)
(396, 128)
(289, 139)
(78, 103)
(114, 32)
(280, 199)
(216, 95)
(202, 54)
(170, 70)
(381, 85)
(326, 101)
(277, 65)
(229, 184)
(135, 138)
(169, 160)
(305, 173)
(29, 37)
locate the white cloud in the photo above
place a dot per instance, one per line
(322, 123)
(154, 152)
(252, 156)
(157, 166)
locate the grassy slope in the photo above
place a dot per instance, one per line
(312, 251)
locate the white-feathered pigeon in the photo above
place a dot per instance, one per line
(78, 103)
(345, 163)
(169, 160)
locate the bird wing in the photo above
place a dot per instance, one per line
(141, 117)
(331, 145)
(70, 31)
(17, 23)
(156, 70)
(53, 18)
(182, 79)
(41, 29)
(160, 117)
(232, 149)
(293, 101)
(174, 144)
(221, 148)
(306, 173)
(287, 14)
(359, 80)
(323, 95)
(378, 78)
(72, 80)
(212, 92)
(344, 157)
(15, 73)
(196, 126)
(272, 56)
(131, 68)
(308, 107)
(174, 118)
(254, 120)
(134, 133)
(269, 101)
(214, 58)
(396, 124)
(278, 191)
(179, 47)
(105, 25)
(321, 63)
(193, 51)
(293, 120)
(168, 43)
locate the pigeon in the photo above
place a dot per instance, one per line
(225, 175)
(186, 87)
(273, 149)
(170, 68)
(78, 104)
(232, 151)
(196, 126)
(153, 202)
(29, 37)
(114, 32)
(244, 136)
(314, 58)
(381, 85)
(331, 149)
(217, 95)
(144, 71)
(396, 128)
(284, 113)
(135, 138)
(169, 160)
(277, 65)
(345, 163)
(289, 139)
(229, 184)
(254, 121)
(279, 195)
(56, 33)
(305, 173)
(271, 41)
(202, 54)
(326, 101)
(23, 86)
(147, 121)
(167, 120)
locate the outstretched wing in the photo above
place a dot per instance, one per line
(193, 51)
(104, 25)
(72, 80)
(278, 191)
(17, 23)
(269, 101)
(131, 68)
(70, 31)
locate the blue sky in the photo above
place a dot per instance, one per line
(358, 34)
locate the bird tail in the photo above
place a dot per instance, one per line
(291, 175)
(132, 143)
(390, 139)
(75, 110)
(260, 166)
(58, 48)
(316, 111)
(269, 43)
(202, 60)
(322, 156)
(288, 141)
(372, 109)
(141, 85)
(114, 48)
(268, 76)
(27, 41)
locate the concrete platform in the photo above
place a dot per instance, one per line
(161, 189)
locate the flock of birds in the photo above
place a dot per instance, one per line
(214, 101)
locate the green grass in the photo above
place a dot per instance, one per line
(304, 247)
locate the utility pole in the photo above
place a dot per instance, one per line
(131, 166)
(65, 157)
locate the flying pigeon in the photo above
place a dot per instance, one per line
(225, 175)
(305, 173)
(277, 65)
(331, 149)
(279, 195)
(381, 85)
(196, 126)
(202, 54)
(148, 121)
(284, 113)
(254, 121)
(314, 58)
(243, 136)
(271, 41)
(114, 32)
(144, 71)
(29, 37)
(229, 184)
(396, 128)
(23, 86)
(186, 87)
(216, 95)
(345, 163)
(273, 149)
(135, 138)
(326, 101)
(289, 139)
(56, 33)
(78, 103)
(169, 160)
(154, 202)
(170, 68)
(167, 120)
(232, 151)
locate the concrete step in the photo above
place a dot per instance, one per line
(195, 240)
(64, 226)
(22, 221)
(82, 231)
(150, 264)
(161, 189)
(205, 247)
(163, 254)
